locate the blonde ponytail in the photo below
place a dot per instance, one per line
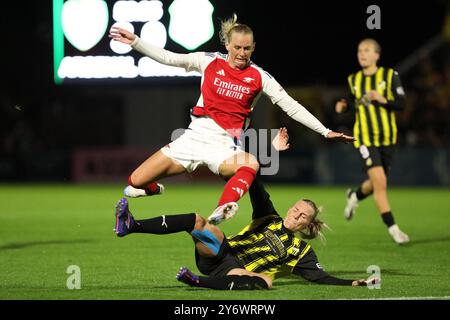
(231, 25)
(316, 226)
(315, 230)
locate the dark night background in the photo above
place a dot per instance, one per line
(309, 46)
(301, 42)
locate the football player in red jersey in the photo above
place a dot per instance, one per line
(230, 87)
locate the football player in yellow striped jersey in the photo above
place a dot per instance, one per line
(376, 94)
(268, 248)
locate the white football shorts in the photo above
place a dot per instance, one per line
(204, 143)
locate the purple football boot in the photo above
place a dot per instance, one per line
(185, 275)
(124, 218)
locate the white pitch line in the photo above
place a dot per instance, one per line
(406, 298)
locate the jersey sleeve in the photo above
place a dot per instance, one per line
(395, 92)
(260, 198)
(351, 96)
(310, 269)
(196, 61)
(293, 109)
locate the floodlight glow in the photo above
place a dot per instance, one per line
(150, 68)
(191, 22)
(141, 11)
(155, 33)
(97, 67)
(150, 10)
(119, 47)
(58, 39)
(84, 22)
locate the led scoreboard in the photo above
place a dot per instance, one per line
(82, 49)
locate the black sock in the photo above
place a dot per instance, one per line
(165, 224)
(233, 282)
(388, 218)
(260, 199)
(360, 195)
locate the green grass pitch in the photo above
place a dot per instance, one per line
(44, 229)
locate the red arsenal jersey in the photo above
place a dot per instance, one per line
(228, 95)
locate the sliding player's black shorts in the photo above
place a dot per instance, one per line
(219, 265)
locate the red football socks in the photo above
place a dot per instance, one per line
(150, 189)
(238, 185)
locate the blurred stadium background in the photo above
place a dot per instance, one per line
(82, 132)
(98, 130)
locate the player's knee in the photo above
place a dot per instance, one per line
(207, 239)
(246, 159)
(379, 184)
(382, 186)
(134, 180)
(254, 165)
(200, 222)
(252, 162)
(131, 180)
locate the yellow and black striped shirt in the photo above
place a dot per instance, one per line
(375, 123)
(266, 246)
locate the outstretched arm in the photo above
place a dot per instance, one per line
(299, 113)
(191, 61)
(309, 268)
(122, 35)
(296, 111)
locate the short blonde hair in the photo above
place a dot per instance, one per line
(231, 25)
(375, 43)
